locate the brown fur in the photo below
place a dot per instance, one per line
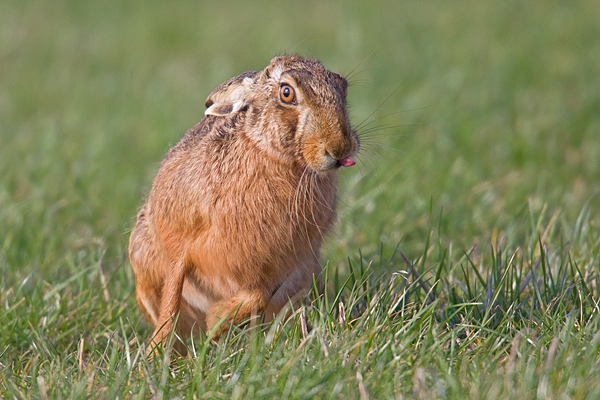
(235, 218)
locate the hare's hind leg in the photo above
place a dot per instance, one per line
(146, 259)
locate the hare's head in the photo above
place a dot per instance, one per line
(294, 108)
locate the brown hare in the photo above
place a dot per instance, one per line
(233, 224)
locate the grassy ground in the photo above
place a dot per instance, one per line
(482, 170)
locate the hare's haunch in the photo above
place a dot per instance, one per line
(233, 224)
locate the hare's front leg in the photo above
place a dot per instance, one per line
(235, 310)
(170, 302)
(294, 289)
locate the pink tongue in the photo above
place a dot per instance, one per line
(347, 162)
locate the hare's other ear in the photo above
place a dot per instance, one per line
(231, 96)
(225, 108)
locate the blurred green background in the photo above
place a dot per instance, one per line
(480, 125)
(487, 116)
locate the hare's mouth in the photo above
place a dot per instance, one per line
(345, 162)
(322, 159)
(335, 163)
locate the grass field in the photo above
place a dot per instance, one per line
(480, 164)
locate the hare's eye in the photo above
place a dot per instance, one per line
(287, 94)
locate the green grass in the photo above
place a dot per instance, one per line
(481, 169)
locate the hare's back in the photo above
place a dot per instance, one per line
(194, 136)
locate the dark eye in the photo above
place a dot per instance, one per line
(287, 94)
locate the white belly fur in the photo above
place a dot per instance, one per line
(195, 297)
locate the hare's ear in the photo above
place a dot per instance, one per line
(225, 108)
(231, 96)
